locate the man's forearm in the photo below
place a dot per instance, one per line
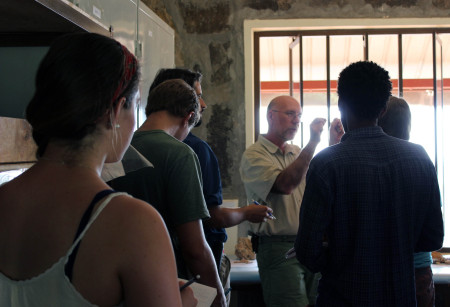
(205, 266)
(198, 256)
(225, 217)
(292, 176)
(229, 217)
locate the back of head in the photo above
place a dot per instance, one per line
(80, 79)
(176, 97)
(186, 75)
(364, 87)
(396, 121)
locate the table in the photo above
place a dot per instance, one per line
(247, 291)
(441, 273)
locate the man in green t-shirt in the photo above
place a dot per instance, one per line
(174, 185)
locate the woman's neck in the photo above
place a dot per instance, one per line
(88, 159)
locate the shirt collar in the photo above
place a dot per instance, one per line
(272, 148)
(364, 132)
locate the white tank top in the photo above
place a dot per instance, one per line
(52, 287)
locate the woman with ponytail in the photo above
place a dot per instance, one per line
(66, 238)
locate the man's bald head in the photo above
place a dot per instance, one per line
(283, 117)
(281, 101)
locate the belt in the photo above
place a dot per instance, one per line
(271, 239)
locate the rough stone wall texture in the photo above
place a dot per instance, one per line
(209, 38)
(443, 4)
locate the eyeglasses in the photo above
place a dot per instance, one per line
(290, 114)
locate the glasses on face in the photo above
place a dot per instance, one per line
(290, 114)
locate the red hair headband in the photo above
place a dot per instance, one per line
(129, 70)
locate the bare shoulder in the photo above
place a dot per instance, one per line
(131, 210)
(136, 225)
(139, 228)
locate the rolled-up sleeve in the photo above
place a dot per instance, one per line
(258, 173)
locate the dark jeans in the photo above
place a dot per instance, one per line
(424, 287)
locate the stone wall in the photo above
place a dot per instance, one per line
(209, 38)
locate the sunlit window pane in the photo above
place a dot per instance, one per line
(418, 88)
(315, 88)
(274, 73)
(443, 125)
(383, 50)
(296, 71)
(274, 58)
(446, 152)
(344, 49)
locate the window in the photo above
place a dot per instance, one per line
(306, 65)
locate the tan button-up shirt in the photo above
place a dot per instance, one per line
(261, 163)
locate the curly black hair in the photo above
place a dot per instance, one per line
(364, 87)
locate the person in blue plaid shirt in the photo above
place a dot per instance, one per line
(370, 202)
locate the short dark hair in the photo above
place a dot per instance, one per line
(364, 87)
(75, 86)
(184, 74)
(396, 121)
(176, 97)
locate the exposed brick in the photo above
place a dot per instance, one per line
(204, 20)
(273, 5)
(220, 127)
(159, 8)
(262, 4)
(284, 5)
(220, 63)
(442, 4)
(405, 3)
(324, 3)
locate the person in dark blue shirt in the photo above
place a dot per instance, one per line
(212, 186)
(370, 202)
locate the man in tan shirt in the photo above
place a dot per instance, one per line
(273, 172)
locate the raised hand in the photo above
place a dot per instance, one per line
(316, 128)
(336, 131)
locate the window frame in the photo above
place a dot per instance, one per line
(297, 37)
